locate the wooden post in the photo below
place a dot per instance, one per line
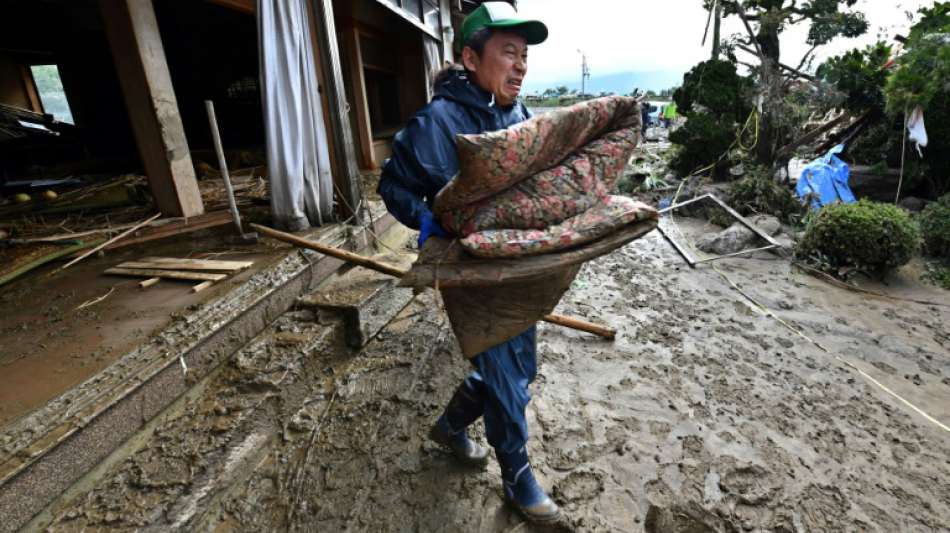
(358, 83)
(347, 177)
(139, 57)
(29, 87)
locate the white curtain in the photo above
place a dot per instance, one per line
(433, 62)
(298, 156)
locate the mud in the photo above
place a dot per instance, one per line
(47, 345)
(705, 415)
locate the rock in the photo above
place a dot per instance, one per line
(737, 171)
(737, 237)
(913, 204)
(768, 224)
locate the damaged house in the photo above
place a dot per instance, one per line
(109, 171)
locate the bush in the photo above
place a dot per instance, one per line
(935, 227)
(869, 236)
(701, 141)
(759, 194)
(714, 99)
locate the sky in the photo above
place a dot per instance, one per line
(659, 40)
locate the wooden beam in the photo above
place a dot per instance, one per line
(174, 263)
(164, 274)
(248, 7)
(358, 83)
(139, 57)
(347, 178)
(29, 87)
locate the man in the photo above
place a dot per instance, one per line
(479, 98)
(646, 108)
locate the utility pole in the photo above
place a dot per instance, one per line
(585, 72)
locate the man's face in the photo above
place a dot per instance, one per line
(502, 66)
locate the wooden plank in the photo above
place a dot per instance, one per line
(171, 263)
(248, 7)
(202, 286)
(29, 87)
(358, 83)
(149, 282)
(178, 227)
(175, 266)
(165, 274)
(347, 177)
(136, 45)
(115, 239)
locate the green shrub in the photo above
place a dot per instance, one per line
(869, 236)
(714, 98)
(938, 274)
(935, 227)
(759, 194)
(701, 141)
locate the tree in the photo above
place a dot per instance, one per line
(828, 19)
(922, 78)
(562, 90)
(715, 100)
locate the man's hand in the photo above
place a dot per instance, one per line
(429, 227)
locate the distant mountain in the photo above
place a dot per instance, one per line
(620, 83)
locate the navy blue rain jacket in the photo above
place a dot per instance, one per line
(424, 157)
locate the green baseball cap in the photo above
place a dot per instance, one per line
(502, 15)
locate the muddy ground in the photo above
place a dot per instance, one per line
(706, 414)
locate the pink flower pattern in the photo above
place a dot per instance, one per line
(495, 161)
(598, 221)
(544, 185)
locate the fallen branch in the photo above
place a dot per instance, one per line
(94, 301)
(110, 241)
(824, 276)
(814, 134)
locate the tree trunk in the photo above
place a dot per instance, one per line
(717, 28)
(770, 88)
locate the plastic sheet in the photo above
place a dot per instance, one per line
(825, 181)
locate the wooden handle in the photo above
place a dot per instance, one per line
(390, 270)
(342, 255)
(580, 325)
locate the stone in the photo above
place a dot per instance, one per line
(912, 204)
(737, 237)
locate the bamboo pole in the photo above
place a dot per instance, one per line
(390, 270)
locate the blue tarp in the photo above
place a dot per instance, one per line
(825, 181)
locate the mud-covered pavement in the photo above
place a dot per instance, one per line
(706, 414)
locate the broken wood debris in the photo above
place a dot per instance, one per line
(166, 274)
(110, 241)
(148, 282)
(208, 271)
(173, 263)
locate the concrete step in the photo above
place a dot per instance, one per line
(364, 299)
